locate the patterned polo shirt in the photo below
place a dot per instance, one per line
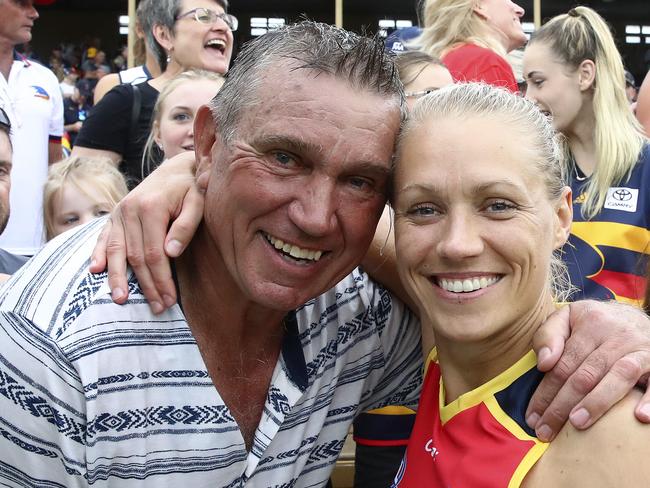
(94, 393)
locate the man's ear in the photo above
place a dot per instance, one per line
(205, 138)
(586, 74)
(163, 36)
(564, 218)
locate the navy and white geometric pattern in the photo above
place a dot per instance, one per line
(98, 394)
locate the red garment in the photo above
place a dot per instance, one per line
(480, 439)
(470, 62)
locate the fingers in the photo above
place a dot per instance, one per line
(549, 339)
(607, 353)
(642, 410)
(143, 237)
(184, 227)
(615, 385)
(98, 256)
(116, 258)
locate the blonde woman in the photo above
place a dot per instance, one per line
(574, 73)
(478, 221)
(172, 130)
(473, 37)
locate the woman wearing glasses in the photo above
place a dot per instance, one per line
(186, 34)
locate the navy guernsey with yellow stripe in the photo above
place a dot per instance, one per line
(607, 255)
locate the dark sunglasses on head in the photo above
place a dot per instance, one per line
(4, 119)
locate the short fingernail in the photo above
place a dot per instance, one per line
(169, 301)
(532, 420)
(645, 411)
(579, 418)
(156, 307)
(174, 247)
(544, 433)
(117, 293)
(543, 354)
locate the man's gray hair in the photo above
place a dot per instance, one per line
(161, 12)
(320, 48)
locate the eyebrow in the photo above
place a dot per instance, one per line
(532, 73)
(481, 188)
(290, 143)
(6, 164)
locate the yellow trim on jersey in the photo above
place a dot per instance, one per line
(392, 410)
(535, 452)
(613, 234)
(486, 390)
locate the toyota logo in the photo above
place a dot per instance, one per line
(622, 195)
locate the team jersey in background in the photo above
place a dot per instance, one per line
(607, 255)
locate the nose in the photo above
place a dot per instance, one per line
(460, 238)
(530, 94)
(519, 10)
(32, 13)
(314, 208)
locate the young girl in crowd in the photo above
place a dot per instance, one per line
(472, 38)
(421, 74)
(78, 190)
(574, 72)
(172, 129)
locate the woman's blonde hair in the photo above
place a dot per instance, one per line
(451, 22)
(153, 155)
(541, 146)
(581, 35)
(91, 176)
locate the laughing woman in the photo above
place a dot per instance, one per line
(186, 34)
(478, 221)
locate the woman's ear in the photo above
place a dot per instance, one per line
(155, 130)
(564, 218)
(479, 9)
(163, 36)
(586, 74)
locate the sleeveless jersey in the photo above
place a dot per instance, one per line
(607, 256)
(479, 440)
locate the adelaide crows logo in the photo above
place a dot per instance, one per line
(39, 92)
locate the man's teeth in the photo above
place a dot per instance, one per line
(467, 285)
(294, 251)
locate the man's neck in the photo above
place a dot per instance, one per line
(6, 58)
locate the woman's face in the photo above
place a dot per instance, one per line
(504, 17)
(475, 229)
(553, 86)
(73, 207)
(432, 77)
(198, 45)
(175, 131)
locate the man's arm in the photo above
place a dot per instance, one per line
(87, 152)
(594, 353)
(54, 151)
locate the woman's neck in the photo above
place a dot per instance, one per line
(581, 139)
(467, 365)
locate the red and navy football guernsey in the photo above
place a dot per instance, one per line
(607, 256)
(479, 440)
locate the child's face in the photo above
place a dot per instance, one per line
(72, 208)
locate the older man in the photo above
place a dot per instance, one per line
(251, 380)
(277, 341)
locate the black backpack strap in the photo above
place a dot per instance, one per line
(135, 108)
